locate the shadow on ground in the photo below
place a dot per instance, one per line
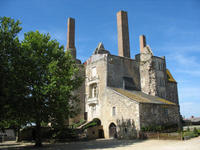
(96, 144)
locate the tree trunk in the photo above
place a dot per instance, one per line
(18, 137)
(38, 138)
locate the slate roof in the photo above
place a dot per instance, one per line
(141, 97)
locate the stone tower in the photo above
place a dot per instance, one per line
(123, 34)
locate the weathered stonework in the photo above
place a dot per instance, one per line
(127, 94)
(148, 72)
(163, 114)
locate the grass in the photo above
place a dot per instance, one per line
(190, 134)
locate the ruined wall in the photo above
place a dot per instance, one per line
(120, 67)
(152, 73)
(155, 114)
(148, 73)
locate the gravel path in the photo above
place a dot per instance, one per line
(192, 144)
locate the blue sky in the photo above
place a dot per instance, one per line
(172, 29)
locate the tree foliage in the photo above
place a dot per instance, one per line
(37, 79)
(11, 80)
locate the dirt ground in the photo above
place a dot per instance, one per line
(192, 144)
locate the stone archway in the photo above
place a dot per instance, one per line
(112, 130)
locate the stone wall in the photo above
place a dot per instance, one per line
(120, 67)
(161, 79)
(153, 73)
(155, 114)
(96, 73)
(126, 116)
(148, 72)
(172, 92)
(93, 132)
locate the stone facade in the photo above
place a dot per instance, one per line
(130, 115)
(151, 114)
(127, 94)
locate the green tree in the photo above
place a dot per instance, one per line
(52, 78)
(12, 87)
(37, 79)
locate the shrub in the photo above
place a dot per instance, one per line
(159, 128)
(189, 134)
(198, 131)
(195, 131)
(75, 125)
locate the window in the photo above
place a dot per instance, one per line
(94, 72)
(93, 90)
(128, 83)
(113, 111)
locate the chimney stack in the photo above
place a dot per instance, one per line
(123, 34)
(142, 43)
(71, 37)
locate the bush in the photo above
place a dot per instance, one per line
(75, 125)
(160, 128)
(198, 131)
(65, 133)
(189, 134)
(195, 131)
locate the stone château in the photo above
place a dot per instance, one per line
(124, 93)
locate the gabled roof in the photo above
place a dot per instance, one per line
(141, 97)
(169, 76)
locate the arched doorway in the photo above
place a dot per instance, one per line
(112, 131)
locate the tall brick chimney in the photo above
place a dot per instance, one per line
(123, 34)
(142, 43)
(71, 37)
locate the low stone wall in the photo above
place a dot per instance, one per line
(161, 136)
(95, 132)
